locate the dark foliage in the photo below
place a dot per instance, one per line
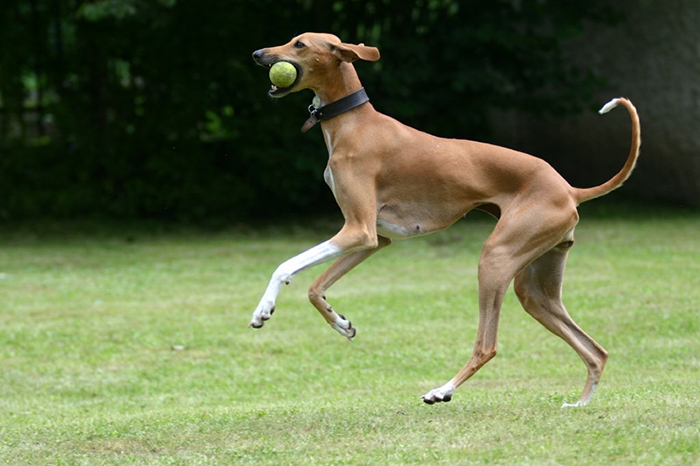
(154, 108)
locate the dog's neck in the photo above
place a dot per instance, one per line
(345, 82)
(333, 101)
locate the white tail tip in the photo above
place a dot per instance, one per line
(609, 106)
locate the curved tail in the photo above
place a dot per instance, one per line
(586, 194)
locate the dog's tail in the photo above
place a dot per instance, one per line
(586, 194)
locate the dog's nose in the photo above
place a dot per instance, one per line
(257, 55)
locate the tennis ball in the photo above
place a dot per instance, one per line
(283, 74)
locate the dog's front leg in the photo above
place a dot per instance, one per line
(339, 268)
(285, 272)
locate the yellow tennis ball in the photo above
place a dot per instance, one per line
(283, 74)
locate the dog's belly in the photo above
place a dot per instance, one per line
(411, 219)
(398, 232)
(392, 231)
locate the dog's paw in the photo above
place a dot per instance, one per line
(578, 404)
(442, 394)
(261, 314)
(344, 327)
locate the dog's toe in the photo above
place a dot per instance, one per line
(262, 313)
(432, 401)
(438, 395)
(348, 332)
(352, 331)
(344, 327)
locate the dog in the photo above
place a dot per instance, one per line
(394, 182)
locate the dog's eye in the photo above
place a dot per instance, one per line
(299, 44)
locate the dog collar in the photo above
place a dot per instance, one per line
(326, 112)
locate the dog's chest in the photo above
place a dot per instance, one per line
(328, 177)
(328, 173)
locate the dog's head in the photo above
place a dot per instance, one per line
(316, 57)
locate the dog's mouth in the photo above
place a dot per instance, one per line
(278, 92)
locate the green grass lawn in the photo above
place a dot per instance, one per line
(129, 345)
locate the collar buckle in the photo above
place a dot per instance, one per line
(319, 113)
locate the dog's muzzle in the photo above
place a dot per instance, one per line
(266, 61)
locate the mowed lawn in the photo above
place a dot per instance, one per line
(129, 345)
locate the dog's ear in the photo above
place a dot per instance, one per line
(352, 52)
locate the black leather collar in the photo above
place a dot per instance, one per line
(335, 108)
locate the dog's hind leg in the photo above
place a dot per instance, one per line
(538, 288)
(516, 241)
(339, 268)
(497, 267)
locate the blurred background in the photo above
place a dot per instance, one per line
(154, 109)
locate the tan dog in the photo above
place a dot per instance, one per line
(394, 182)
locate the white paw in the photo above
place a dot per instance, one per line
(344, 327)
(263, 312)
(442, 394)
(578, 404)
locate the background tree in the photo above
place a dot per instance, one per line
(154, 108)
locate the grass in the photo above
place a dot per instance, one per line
(129, 345)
